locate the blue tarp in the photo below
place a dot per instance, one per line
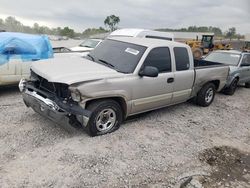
(22, 46)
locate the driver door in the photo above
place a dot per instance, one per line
(154, 92)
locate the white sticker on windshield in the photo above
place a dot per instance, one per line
(132, 51)
(233, 55)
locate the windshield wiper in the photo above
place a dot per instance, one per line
(92, 58)
(106, 63)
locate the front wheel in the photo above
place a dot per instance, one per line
(206, 95)
(106, 117)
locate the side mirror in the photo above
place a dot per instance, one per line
(149, 71)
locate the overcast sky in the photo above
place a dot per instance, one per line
(151, 14)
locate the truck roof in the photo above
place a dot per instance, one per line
(141, 33)
(148, 42)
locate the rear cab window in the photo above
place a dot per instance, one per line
(181, 59)
(159, 58)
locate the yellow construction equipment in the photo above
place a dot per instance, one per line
(205, 45)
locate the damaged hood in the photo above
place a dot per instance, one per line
(72, 70)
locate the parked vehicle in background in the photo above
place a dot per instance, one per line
(87, 45)
(121, 77)
(17, 52)
(66, 52)
(206, 45)
(142, 33)
(246, 46)
(61, 49)
(239, 63)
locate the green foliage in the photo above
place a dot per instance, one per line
(66, 31)
(93, 31)
(12, 25)
(231, 33)
(112, 21)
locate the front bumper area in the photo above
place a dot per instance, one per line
(50, 106)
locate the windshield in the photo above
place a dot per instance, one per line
(117, 55)
(89, 43)
(224, 57)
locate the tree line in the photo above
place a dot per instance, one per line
(230, 33)
(12, 25)
(111, 22)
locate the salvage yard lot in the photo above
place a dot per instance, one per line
(157, 148)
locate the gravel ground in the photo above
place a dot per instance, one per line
(157, 149)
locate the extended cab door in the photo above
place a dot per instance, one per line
(183, 74)
(245, 69)
(151, 93)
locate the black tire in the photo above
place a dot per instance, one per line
(98, 107)
(247, 85)
(204, 93)
(232, 88)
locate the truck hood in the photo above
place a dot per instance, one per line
(72, 70)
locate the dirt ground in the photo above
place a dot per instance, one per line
(179, 146)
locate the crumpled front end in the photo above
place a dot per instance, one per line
(52, 100)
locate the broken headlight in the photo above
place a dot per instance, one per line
(76, 95)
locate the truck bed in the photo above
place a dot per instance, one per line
(207, 71)
(198, 64)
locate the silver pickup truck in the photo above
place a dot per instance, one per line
(239, 64)
(121, 77)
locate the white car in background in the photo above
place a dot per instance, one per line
(142, 33)
(87, 45)
(17, 52)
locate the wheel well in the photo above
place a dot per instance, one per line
(119, 100)
(216, 83)
(237, 77)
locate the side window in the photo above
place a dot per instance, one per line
(246, 59)
(181, 58)
(159, 58)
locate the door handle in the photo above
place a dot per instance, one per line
(170, 80)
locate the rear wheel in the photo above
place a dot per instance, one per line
(106, 117)
(206, 95)
(247, 85)
(232, 88)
